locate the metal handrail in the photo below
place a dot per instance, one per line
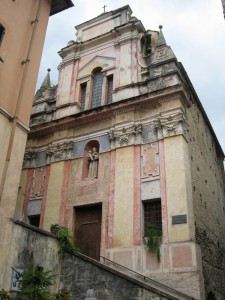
(148, 278)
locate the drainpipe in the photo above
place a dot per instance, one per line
(25, 63)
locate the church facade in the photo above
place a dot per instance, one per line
(121, 143)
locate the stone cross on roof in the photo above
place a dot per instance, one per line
(104, 8)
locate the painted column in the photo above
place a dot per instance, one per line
(44, 197)
(111, 199)
(178, 188)
(53, 200)
(134, 60)
(117, 73)
(73, 80)
(163, 192)
(137, 196)
(30, 173)
(124, 197)
(64, 191)
(63, 96)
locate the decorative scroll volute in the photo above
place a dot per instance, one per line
(60, 151)
(29, 160)
(173, 124)
(125, 136)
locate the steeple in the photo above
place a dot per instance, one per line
(46, 83)
(161, 39)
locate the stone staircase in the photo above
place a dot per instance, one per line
(93, 280)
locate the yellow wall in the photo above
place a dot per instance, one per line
(54, 195)
(8, 202)
(178, 187)
(124, 194)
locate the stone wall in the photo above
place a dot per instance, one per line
(30, 247)
(83, 276)
(89, 279)
(207, 172)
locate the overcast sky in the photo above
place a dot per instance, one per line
(194, 29)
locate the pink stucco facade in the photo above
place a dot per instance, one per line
(139, 125)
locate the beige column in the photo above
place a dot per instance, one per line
(178, 188)
(124, 197)
(53, 201)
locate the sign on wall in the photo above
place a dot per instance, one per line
(17, 275)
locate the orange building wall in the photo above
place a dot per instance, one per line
(16, 17)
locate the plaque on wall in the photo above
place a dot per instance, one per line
(179, 219)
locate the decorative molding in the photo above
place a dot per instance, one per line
(150, 160)
(126, 110)
(59, 151)
(162, 70)
(162, 54)
(163, 82)
(30, 157)
(38, 183)
(125, 136)
(169, 125)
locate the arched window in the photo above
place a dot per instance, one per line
(90, 160)
(97, 88)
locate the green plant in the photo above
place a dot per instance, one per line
(54, 228)
(152, 239)
(35, 284)
(63, 294)
(5, 295)
(65, 241)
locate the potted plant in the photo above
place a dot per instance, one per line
(54, 228)
(65, 240)
(152, 239)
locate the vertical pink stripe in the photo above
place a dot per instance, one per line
(137, 196)
(117, 79)
(28, 187)
(64, 191)
(163, 192)
(45, 191)
(111, 199)
(73, 82)
(134, 61)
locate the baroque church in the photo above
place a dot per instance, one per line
(123, 142)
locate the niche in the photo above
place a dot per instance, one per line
(90, 160)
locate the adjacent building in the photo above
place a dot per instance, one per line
(121, 143)
(223, 4)
(23, 26)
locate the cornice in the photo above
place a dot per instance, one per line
(6, 114)
(165, 124)
(109, 39)
(11, 117)
(146, 101)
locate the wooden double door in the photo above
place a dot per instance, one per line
(88, 230)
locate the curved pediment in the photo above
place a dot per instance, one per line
(103, 62)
